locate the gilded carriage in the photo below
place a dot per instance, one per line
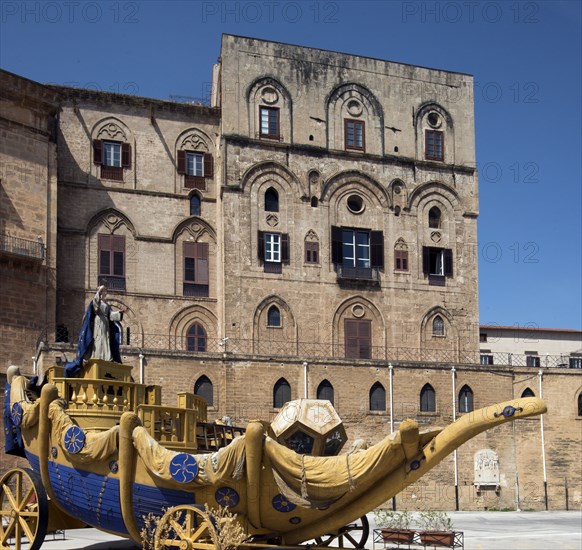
(104, 452)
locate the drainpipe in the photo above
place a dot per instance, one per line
(305, 379)
(540, 375)
(141, 367)
(455, 457)
(391, 393)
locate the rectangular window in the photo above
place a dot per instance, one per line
(195, 164)
(482, 337)
(269, 122)
(532, 361)
(273, 250)
(437, 263)
(111, 261)
(401, 260)
(311, 252)
(486, 359)
(113, 157)
(434, 145)
(357, 253)
(575, 362)
(111, 154)
(195, 269)
(355, 137)
(358, 338)
(355, 248)
(195, 167)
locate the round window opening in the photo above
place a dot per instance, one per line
(355, 204)
(434, 120)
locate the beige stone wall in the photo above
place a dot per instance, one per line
(28, 213)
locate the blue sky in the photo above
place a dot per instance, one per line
(525, 57)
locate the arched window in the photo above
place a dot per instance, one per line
(325, 391)
(281, 393)
(271, 200)
(203, 388)
(434, 217)
(274, 317)
(427, 399)
(465, 399)
(377, 397)
(528, 393)
(195, 205)
(314, 202)
(438, 326)
(196, 337)
(580, 404)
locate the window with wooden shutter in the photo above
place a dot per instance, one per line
(285, 248)
(358, 338)
(427, 399)
(377, 397)
(196, 279)
(203, 388)
(126, 155)
(437, 263)
(325, 391)
(434, 145)
(377, 249)
(208, 165)
(354, 134)
(311, 252)
(401, 260)
(281, 393)
(336, 245)
(111, 269)
(97, 151)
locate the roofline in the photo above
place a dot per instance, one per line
(530, 329)
(345, 53)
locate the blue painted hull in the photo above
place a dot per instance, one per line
(94, 498)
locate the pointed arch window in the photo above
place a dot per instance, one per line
(465, 399)
(438, 326)
(281, 393)
(203, 388)
(196, 337)
(195, 205)
(377, 397)
(274, 317)
(271, 200)
(528, 392)
(427, 399)
(400, 256)
(434, 217)
(325, 391)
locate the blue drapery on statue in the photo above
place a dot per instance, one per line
(13, 444)
(85, 343)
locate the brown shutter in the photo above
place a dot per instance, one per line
(126, 155)
(181, 162)
(285, 248)
(208, 165)
(202, 264)
(118, 248)
(377, 249)
(336, 245)
(425, 259)
(97, 151)
(448, 260)
(261, 246)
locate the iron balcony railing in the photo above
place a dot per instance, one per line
(22, 247)
(319, 350)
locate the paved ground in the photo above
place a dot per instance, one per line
(483, 531)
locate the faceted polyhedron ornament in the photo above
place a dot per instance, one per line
(310, 426)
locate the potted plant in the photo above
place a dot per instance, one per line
(437, 529)
(395, 526)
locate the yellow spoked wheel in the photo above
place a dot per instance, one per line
(354, 535)
(24, 510)
(187, 528)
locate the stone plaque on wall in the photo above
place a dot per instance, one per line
(486, 468)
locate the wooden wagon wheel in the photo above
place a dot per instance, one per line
(185, 527)
(24, 510)
(352, 535)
